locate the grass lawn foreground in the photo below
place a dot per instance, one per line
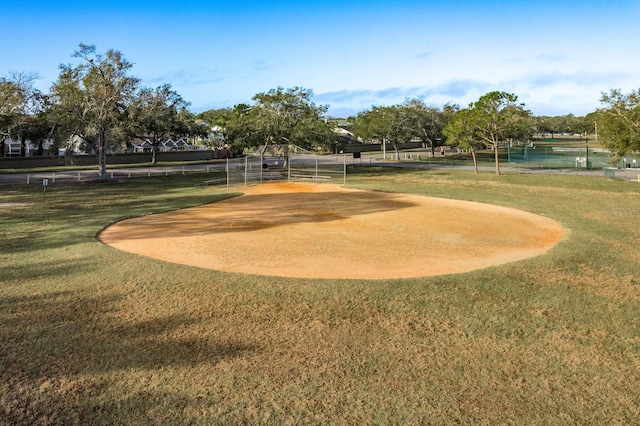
(93, 335)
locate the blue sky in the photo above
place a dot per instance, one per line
(557, 56)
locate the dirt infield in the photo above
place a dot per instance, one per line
(326, 231)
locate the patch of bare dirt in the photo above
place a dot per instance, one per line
(327, 231)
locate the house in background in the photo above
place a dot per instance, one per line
(12, 147)
(143, 144)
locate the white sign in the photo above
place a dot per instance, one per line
(45, 182)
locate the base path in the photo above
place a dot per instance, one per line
(327, 231)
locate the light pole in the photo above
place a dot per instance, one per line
(586, 142)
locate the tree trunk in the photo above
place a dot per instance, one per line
(495, 154)
(395, 148)
(475, 160)
(102, 156)
(154, 149)
(286, 157)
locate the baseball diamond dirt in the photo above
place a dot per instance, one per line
(328, 231)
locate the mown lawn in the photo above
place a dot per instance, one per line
(92, 335)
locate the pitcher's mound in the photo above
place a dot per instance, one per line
(326, 231)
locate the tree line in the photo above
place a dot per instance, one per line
(97, 100)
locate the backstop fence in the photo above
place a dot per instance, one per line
(257, 168)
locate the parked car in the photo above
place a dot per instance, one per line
(272, 162)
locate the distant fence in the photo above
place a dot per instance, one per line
(207, 170)
(563, 157)
(235, 172)
(91, 160)
(329, 168)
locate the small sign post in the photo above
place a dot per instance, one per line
(45, 183)
(356, 154)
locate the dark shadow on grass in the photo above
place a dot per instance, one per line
(36, 270)
(71, 220)
(80, 333)
(55, 348)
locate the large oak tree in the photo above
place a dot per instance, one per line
(497, 117)
(93, 96)
(156, 114)
(279, 116)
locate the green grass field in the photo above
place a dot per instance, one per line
(92, 335)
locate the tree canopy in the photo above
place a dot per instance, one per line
(21, 109)
(405, 122)
(279, 116)
(93, 96)
(563, 124)
(156, 113)
(427, 122)
(619, 122)
(384, 123)
(494, 118)
(461, 132)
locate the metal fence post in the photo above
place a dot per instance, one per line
(344, 160)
